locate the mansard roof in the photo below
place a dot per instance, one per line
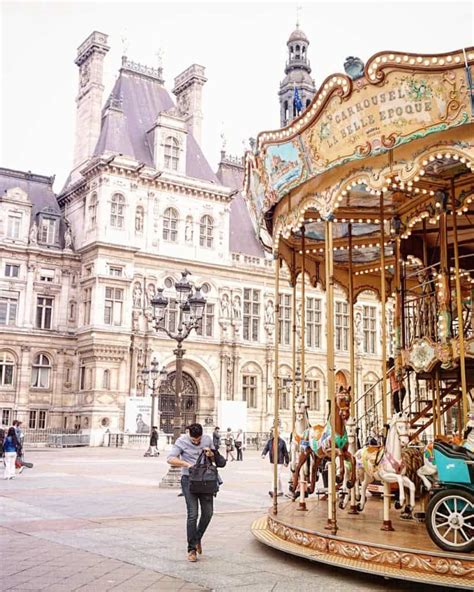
(136, 100)
(38, 187)
(242, 232)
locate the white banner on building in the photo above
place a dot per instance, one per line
(138, 415)
(233, 415)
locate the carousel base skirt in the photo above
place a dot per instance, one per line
(406, 553)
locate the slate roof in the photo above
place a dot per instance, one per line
(130, 112)
(39, 189)
(242, 233)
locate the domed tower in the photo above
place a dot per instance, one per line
(297, 72)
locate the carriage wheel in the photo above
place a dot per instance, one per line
(450, 520)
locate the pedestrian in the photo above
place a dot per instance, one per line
(184, 453)
(20, 438)
(10, 450)
(239, 444)
(229, 445)
(396, 386)
(283, 459)
(216, 438)
(153, 448)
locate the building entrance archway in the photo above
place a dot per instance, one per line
(189, 401)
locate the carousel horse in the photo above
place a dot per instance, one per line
(385, 463)
(317, 442)
(427, 473)
(344, 492)
(297, 436)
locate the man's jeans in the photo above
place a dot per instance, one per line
(196, 531)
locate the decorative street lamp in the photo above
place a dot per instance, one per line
(191, 309)
(152, 379)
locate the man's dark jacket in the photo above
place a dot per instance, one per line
(154, 438)
(283, 456)
(216, 440)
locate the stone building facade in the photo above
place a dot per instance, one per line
(78, 270)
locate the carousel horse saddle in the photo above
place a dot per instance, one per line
(454, 451)
(372, 448)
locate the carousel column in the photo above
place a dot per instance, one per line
(387, 524)
(293, 348)
(329, 264)
(276, 382)
(444, 290)
(353, 508)
(462, 354)
(303, 314)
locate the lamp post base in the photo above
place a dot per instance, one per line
(172, 479)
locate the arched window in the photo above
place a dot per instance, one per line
(41, 371)
(139, 217)
(7, 365)
(93, 210)
(206, 231)
(171, 153)
(170, 225)
(117, 211)
(106, 380)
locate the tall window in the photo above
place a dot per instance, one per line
(313, 391)
(170, 225)
(206, 326)
(249, 390)
(12, 270)
(82, 378)
(139, 217)
(313, 322)
(47, 230)
(72, 311)
(251, 316)
(171, 153)
(206, 231)
(93, 211)
(106, 379)
(113, 306)
(285, 319)
(44, 313)
(7, 365)
(87, 301)
(37, 419)
(41, 371)
(369, 398)
(6, 414)
(369, 319)
(14, 226)
(8, 308)
(284, 394)
(117, 211)
(342, 326)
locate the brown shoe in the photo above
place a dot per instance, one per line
(192, 556)
(199, 548)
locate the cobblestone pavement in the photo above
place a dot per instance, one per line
(94, 520)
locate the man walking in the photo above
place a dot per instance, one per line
(216, 438)
(185, 453)
(239, 444)
(283, 458)
(153, 448)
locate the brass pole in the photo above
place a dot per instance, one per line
(293, 353)
(353, 508)
(398, 308)
(384, 324)
(276, 382)
(303, 313)
(462, 354)
(330, 366)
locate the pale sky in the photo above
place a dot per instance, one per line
(241, 44)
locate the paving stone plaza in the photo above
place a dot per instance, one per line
(94, 519)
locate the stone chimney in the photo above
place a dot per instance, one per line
(90, 60)
(188, 92)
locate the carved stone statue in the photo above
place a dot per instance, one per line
(137, 296)
(358, 330)
(225, 306)
(236, 308)
(150, 293)
(269, 313)
(188, 230)
(34, 234)
(68, 238)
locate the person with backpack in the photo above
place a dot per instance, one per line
(229, 445)
(185, 453)
(283, 458)
(11, 446)
(153, 448)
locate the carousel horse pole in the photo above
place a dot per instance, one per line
(346, 493)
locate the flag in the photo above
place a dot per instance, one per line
(297, 103)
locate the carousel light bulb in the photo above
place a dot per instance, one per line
(432, 158)
(422, 172)
(439, 156)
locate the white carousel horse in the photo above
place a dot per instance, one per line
(297, 437)
(344, 493)
(386, 464)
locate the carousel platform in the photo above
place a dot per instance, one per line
(406, 553)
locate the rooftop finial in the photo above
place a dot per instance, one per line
(159, 57)
(299, 8)
(125, 42)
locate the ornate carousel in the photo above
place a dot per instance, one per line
(372, 188)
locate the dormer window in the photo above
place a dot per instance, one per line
(117, 211)
(171, 153)
(14, 226)
(48, 230)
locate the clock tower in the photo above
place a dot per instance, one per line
(90, 60)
